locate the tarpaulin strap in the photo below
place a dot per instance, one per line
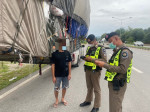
(66, 27)
(60, 33)
(40, 69)
(19, 24)
(77, 31)
(70, 25)
(30, 59)
(20, 59)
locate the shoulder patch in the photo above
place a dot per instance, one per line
(104, 50)
(124, 54)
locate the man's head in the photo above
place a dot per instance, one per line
(62, 43)
(91, 39)
(113, 38)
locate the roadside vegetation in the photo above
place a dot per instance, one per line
(138, 47)
(10, 73)
(131, 35)
(83, 42)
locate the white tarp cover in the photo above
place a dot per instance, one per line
(77, 9)
(66, 5)
(83, 10)
(32, 36)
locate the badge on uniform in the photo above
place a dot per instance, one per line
(125, 54)
(104, 50)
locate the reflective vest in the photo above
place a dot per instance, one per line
(90, 64)
(115, 62)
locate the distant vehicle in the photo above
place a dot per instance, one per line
(104, 43)
(138, 43)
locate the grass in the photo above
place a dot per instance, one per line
(20, 73)
(3, 67)
(83, 42)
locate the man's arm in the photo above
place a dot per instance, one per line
(103, 55)
(53, 73)
(53, 67)
(125, 60)
(69, 66)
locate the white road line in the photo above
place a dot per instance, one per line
(137, 70)
(18, 86)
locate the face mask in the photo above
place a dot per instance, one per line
(64, 48)
(112, 46)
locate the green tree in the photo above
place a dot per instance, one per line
(147, 31)
(147, 39)
(130, 35)
(103, 36)
(138, 34)
(130, 40)
(120, 31)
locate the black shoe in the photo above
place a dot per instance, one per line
(95, 110)
(85, 104)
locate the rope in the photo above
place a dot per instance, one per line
(70, 25)
(66, 27)
(30, 59)
(30, 63)
(19, 24)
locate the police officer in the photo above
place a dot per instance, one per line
(118, 71)
(93, 72)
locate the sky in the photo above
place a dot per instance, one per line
(132, 13)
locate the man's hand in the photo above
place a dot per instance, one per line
(99, 63)
(54, 80)
(69, 76)
(88, 58)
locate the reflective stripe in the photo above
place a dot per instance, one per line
(110, 75)
(93, 57)
(129, 72)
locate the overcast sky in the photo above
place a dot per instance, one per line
(102, 12)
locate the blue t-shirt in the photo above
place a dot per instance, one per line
(61, 60)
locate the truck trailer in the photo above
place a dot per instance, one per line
(27, 36)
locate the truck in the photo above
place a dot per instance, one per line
(27, 36)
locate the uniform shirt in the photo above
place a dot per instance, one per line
(102, 55)
(61, 60)
(125, 60)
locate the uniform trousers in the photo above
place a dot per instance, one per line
(116, 98)
(93, 85)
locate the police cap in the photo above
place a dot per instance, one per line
(108, 36)
(90, 38)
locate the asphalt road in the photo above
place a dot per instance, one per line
(37, 95)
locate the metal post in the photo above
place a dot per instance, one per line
(121, 20)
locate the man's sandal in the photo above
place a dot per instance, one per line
(65, 103)
(55, 105)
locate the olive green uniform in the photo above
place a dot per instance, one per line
(93, 77)
(116, 97)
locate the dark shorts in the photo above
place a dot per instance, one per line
(65, 83)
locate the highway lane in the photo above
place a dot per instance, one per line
(37, 95)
